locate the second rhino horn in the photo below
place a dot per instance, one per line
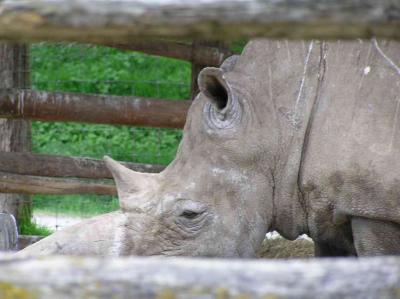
(127, 180)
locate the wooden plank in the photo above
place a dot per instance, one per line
(157, 277)
(104, 21)
(25, 184)
(89, 108)
(198, 54)
(61, 166)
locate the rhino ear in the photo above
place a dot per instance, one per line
(127, 180)
(213, 85)
(229, 63)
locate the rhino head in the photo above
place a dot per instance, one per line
(235, 175)
(215, 198)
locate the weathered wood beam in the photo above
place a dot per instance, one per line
(145, 278)
(123, 20)
(25, 184)
(62, 166)
(15, 135)
(198, 54)
(89, 108)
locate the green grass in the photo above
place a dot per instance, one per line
(90, 69)
(101, 70)
(32, 228)
(73, 205)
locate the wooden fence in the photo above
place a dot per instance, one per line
(26, 173)
(88, 108)
(148, 278)
(118, 21)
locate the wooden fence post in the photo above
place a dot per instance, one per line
(8, 232)
(15, 135)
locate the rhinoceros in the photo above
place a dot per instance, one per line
(296, 137)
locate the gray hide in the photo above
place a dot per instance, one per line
(298, 137)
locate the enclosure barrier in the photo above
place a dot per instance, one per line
(88, 108)
(62, 166)
(145, 278)
(103, 21)
(25, 184)
(26, 173)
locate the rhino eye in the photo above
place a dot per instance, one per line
(190, 214)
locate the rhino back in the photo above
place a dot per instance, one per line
(351, 162)
(93, 236)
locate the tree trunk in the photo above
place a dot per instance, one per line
(14, 134)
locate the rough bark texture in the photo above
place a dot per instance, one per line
(25, 184)
(56, 106)
(73, 277)
(61, 166)
(14, 134)
(121, 21)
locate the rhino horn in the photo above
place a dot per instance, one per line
(127, 180)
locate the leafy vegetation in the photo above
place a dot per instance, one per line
(101, 70)
(32, 228)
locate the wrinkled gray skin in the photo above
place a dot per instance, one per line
(297, 137)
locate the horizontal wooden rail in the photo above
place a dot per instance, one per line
(198, 54)
(89, 108)
(115, 21)
(26, 184)
(61, 166)
(150, 277)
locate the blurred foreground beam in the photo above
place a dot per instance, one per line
(145, 278)
(62, 166)
(119, 21)
(89, 108)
